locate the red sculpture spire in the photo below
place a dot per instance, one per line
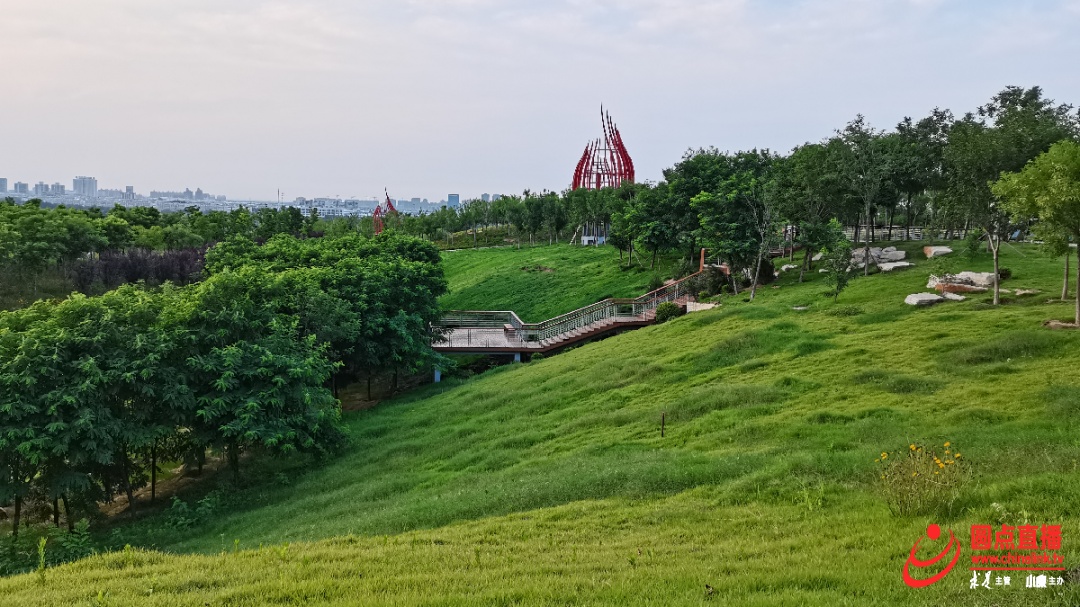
(605, 162)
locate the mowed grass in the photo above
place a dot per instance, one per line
(543, 281)
(548, 483)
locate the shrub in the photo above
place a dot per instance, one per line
(972, 244)
(917, 481)
(668, 310)
(1004, 274)
(844, 310)
(654, 283)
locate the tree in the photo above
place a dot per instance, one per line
(1048, 188)
(1002, 136)
(837, 259)
(867, 169)
(809, 190)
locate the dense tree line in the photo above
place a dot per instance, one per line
(96, 391)
(934, 172)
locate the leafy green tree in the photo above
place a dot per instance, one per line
(867, 170)
(1048, 188)
(1014, 127)
(837, 260)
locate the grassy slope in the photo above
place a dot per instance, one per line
(548, 483)
(496, 279)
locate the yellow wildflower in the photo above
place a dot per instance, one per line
(912, 446)
(956, 455)
(948, 444)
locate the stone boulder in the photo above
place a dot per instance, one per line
(931, 252)
(888, 256)
(979, 279)
(788, 268)
(923, 299)
(895, 265)
(964, 282)
(953, 296)
(818, 257)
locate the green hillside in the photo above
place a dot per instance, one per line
(541, 282)
(549, 483)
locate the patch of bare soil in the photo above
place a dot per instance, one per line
(1057, 325)
(544, 269)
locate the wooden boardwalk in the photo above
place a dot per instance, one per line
(503, 332)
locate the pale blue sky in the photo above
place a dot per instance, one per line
(426, 97)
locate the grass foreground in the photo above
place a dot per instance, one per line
(549, 483)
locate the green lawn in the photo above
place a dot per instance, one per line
(541, 282)
(548, 483)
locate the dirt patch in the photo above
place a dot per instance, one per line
(544, 269)
(1057, 325)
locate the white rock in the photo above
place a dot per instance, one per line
(897, 265)
(1020, 292)
(788, 268)
(979, 279)
(893, 256)
(923, 299)
(936, 251)
(888, 250)
(817, 257)
(800, 308)
(953, 296)
(823, 271)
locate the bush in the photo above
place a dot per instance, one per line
(654, 283)
(972, 244)
(1004, 274)
(916, 481)
(668, 310)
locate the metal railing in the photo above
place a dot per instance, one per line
(503, 329)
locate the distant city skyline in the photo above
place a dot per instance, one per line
(325, 99)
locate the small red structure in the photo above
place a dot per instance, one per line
(605, 163)
(381, 211)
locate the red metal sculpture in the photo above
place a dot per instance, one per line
(381, 211)
(605, 163)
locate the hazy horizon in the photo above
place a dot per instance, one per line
(327, 98)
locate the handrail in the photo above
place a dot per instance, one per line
(505, 326)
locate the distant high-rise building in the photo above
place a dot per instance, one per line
(22, 188)
(41, 189)
(84, 186)
(3, 184)
(453, 200)
(57, 189)
(495, 197)
(129, 192)
(485, 197)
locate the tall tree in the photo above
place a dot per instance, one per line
(1048, 188)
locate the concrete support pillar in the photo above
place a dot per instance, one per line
(438, 375)
(517, 357)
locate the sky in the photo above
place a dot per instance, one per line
(431, 97)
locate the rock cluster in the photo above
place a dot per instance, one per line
(964, 282)
(878, 256)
